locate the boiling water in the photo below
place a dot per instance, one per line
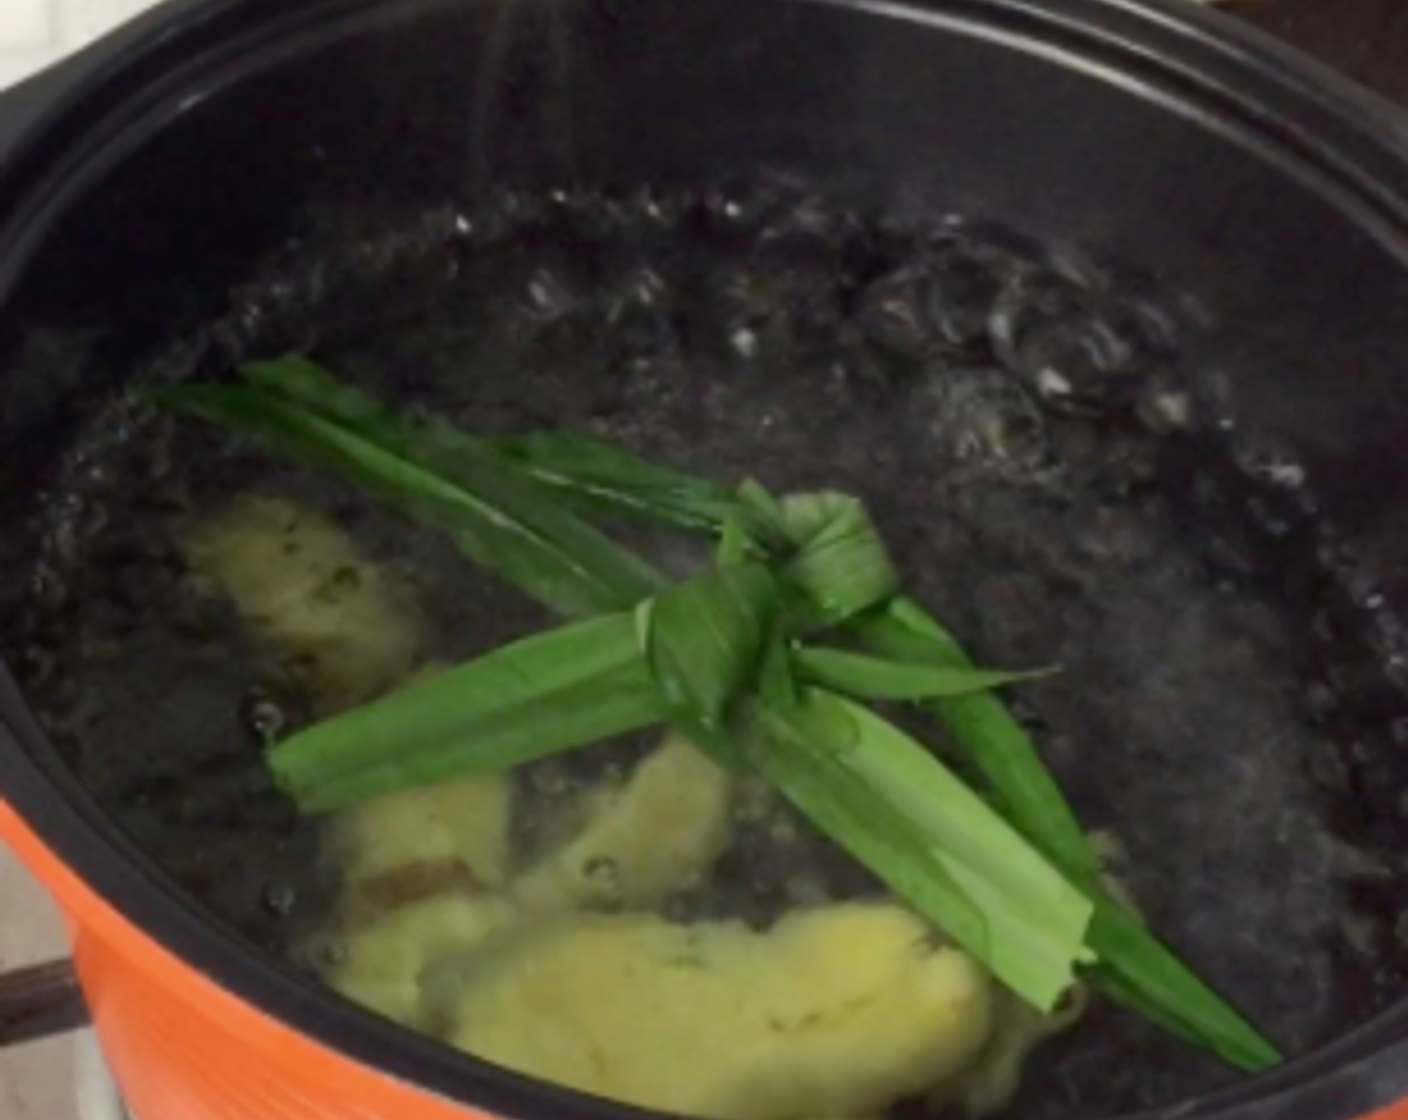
(1049, 474)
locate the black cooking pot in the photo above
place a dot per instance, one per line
(148, 178)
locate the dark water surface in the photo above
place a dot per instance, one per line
(1034, 444)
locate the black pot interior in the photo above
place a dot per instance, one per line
(1226, 601)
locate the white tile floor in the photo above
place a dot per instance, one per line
(36, 1080)
(34, 33)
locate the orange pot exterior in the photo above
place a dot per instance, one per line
(183, 1048)
(1398, 1111)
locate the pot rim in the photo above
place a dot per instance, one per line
(74, 120)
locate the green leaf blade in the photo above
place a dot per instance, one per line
(553, 557)
(703, 643)
(1134, 966)
(839, 562)
(464, 715)
(918, 786)
(612, 704)
(884, 679)
(894, 807)
(983, 728)
(516, 506)
(597, 477)
(1149, 978)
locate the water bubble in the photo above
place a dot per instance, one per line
(1081, 350)
(519, 207)
(1323, 627)
(1264, 459)
(489, 225)
(1165, 408)
(603, 872)
(263, 717)
(644, 285)
(891, 314)
(322, 952)
(939, 304)
(280, 899)
(750, 298)
(810, 217)
(347, 579)
(1031, 302)
(984, 416)
(550, 781)
(744, 342)
(1338, 558)
(652, 207)
(552, 296)
(1051, 384)
(1362, 933)
(736, 210)
(965, 283)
